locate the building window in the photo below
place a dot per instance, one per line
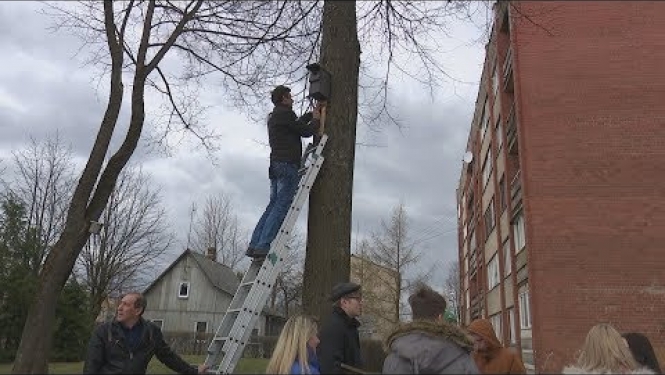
(201, 327)
(493, 272)
(496, 324)
(495, 81)
(525, 310)
(511, 320)
(472, 242)
(507, 262)
(468, 300)
(158, 322)
(485, 120)
(518, 232)
(487, 168)
(489, 217)
(498, 133)
(183, 289)
(502, 194)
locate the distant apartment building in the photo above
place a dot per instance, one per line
(561, 208)
(380, 297)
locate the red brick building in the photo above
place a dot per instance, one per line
(562, 209)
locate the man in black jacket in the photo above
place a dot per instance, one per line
(340, 343)
(284, 134)
(126, 345)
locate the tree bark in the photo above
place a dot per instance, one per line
(330, 204)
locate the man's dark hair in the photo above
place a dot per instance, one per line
(277, 95)
(426, 304)
(140, 302)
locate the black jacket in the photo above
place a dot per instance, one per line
(340, 343)
(108, 352)
(285, 131)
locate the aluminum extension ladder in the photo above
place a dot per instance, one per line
(252, 295)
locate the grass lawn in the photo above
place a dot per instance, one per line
(245, 366)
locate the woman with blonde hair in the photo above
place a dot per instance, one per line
(295, 350)
(605, 352)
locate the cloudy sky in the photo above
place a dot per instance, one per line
(45, 86)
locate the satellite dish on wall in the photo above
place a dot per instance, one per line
(468, 157)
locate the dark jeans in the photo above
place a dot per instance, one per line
(284, 181)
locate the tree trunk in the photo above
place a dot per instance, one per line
(329, 223)
(33, 351)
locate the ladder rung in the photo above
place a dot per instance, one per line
(249, 283)
(239, 310)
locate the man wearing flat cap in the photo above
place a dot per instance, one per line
(340, 343)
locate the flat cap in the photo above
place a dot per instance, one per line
(342, 289)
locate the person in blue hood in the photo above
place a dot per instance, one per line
(295, 351)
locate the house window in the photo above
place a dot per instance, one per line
(518, 232)
(498, 133)
(507, 262)
(493, 272)
(496, 324)
(158, 322)
(487, 168)
(502, 194)
(201, 327)
(489, 219)
(525, 310)
(511, 320)
(183, 289)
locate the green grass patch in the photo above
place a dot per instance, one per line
(245, 366)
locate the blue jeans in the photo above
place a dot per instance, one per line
(284, 181)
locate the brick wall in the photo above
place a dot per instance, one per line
(591, 114)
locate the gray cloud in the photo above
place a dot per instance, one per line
(43, 89)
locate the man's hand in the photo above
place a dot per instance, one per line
(320, 106)
(203, 369)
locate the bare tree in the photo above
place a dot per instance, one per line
(392, 248)
(43, 175)
(132, 40)
(217, 226)
(453, 289)
(133, 237)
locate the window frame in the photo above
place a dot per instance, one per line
(507, 262)
(493, 274)
(495, 320)
(519, 232)
(180, 285)
(489, 227)
(525, 310)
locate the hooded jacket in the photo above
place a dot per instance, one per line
(495, 359)
(427, 347)
(579, 370)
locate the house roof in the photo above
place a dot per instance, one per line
(219, 275)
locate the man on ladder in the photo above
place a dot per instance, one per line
(284, 134)
(289, 189)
